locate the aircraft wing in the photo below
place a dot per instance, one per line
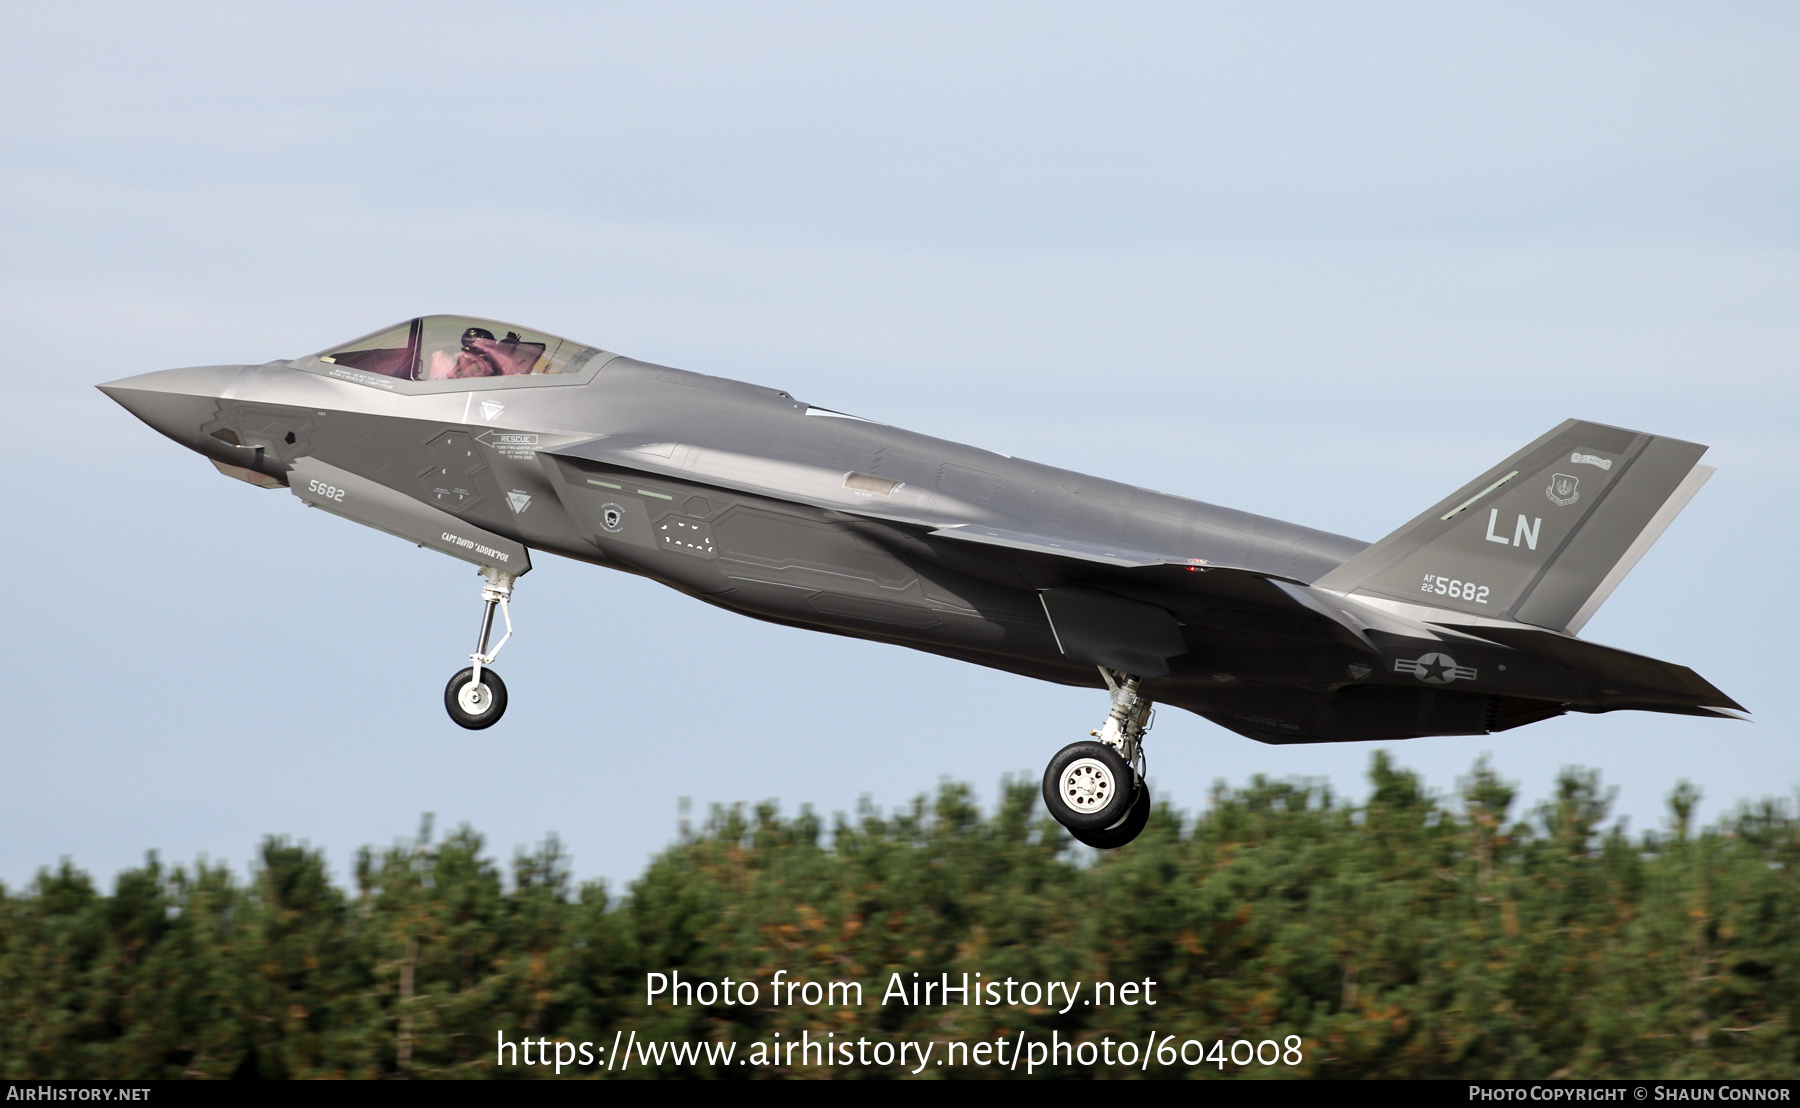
(1109, 604)
(1121, 607)
(1113, 627)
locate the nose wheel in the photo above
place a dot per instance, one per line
(474, 701)
(1096, 788)
(476, 697)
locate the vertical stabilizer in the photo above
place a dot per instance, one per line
(1542, 538)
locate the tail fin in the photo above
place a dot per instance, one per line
(1544, 537)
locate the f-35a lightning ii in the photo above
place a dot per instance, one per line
(485, 440)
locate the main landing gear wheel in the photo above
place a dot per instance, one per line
(1088, 787)
(474, 703)
(1126, 830)
(1096, 789)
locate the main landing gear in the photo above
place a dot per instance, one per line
(1097, 789)
(476, 697)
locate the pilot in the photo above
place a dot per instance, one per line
(476, 360)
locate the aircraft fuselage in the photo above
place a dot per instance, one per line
(754, 501)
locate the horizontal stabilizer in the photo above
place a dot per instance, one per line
(1542, 538)
(1629, 675)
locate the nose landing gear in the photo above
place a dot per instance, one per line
(476, 697)
(1096, 789)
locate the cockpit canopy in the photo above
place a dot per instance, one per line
(454, 347)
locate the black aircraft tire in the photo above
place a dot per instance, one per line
(1128, 829)
(488, 715)
(1079, 768)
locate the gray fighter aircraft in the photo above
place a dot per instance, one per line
(485, 440)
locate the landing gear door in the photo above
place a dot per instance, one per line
(373, 504)
(1112, 632)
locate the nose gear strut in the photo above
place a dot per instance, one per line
(476, 697)
(1097, 789)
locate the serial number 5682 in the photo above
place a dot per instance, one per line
(329, 492)
(1456, 590)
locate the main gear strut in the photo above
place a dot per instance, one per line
(1131, 716)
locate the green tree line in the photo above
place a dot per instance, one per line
(1414, 935)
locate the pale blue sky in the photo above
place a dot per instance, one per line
(1315, 261)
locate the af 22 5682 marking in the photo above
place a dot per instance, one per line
(1455, 589)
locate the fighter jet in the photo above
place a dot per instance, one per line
(486, 441)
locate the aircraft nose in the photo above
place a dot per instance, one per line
(176, 402)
